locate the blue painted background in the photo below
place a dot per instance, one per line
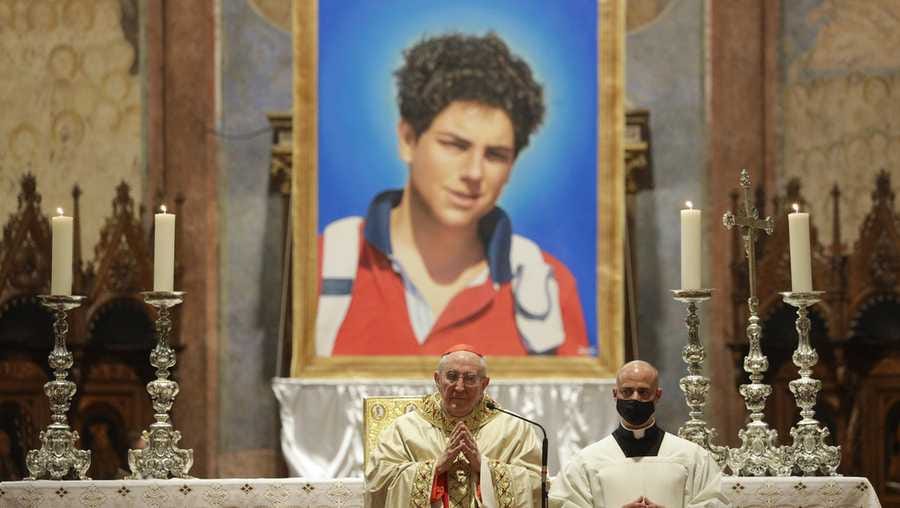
(551, 195)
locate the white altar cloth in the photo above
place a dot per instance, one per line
(321, 419)
(800, 491)
(287, 492)
(744, 492)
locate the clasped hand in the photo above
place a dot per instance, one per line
(461, 441)
(642, 502)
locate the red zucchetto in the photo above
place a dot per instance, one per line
(462, 347)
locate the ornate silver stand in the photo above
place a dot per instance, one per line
(695, 385)
(808, 453)
(58, 454)
(759, 453)
(161, 459)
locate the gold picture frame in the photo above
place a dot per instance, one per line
(610, 223)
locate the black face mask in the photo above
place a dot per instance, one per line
(635, 412)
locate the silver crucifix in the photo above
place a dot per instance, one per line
(759, 453)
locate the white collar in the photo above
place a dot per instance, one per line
(640, 431)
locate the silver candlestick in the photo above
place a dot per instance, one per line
(695, 385)
(759, 453)
(808, 452)
(58, 454)
(161, 459)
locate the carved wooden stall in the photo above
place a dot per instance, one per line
(855, 330)
(25, 329)
(110, 336)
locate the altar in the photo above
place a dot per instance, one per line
(808, 492)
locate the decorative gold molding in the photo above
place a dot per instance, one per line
(305, 184)
(611, 186)
(610, 221)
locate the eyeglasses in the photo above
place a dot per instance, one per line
(469, 380)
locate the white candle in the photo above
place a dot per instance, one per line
(801, 269)
(690, 247)
(164, 251)
(61, 273)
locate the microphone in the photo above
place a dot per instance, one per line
(544, 447)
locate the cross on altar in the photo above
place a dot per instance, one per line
(759, 453)
(748, 220)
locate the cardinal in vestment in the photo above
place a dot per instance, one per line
(639, 465)
(454, 451)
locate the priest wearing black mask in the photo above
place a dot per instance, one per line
(640, 465)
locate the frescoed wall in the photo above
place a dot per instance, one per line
(72, 102)
(840, 100)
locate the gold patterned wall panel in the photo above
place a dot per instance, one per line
(841, 104)
(71, 103)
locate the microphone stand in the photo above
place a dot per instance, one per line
(544, 448)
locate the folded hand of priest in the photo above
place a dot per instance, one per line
(461, 452)
(468, 447)
(642, 502)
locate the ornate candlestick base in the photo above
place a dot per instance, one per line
(808, 453)
(759, 453)
(161, 459)
(58, 454)
(695, 385)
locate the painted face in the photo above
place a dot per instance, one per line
(461, 383)
(459, 165)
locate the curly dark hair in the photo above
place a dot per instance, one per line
(456, 67)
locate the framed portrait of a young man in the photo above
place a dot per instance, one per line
(457, 179)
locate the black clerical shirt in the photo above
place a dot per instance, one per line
(648, 446)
